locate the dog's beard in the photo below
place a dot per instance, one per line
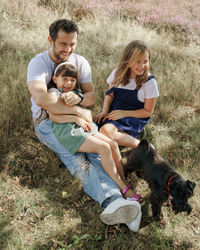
(179, 206)
(182, 191)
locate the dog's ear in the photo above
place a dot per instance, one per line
(191, 185)
(144, 144)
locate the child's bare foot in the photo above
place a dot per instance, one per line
(129, 194)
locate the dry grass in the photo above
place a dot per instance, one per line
(41, 205)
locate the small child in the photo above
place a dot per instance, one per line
(131, 97)
(79, 135)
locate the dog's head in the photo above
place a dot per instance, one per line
(181, 191)
(144, 150)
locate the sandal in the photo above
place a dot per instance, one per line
(136, 197)
(125, 189)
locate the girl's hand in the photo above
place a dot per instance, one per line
(85, 114)
(101, 116)
(116, 115)
(70, 98)
(87, 126)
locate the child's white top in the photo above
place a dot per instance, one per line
(147, 91)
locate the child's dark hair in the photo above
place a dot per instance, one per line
(63, 69)
(67, 69)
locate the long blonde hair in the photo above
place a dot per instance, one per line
(130, 55)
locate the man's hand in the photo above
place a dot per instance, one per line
(70, 98)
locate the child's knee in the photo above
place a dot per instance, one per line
(105, 148)
(113, 145)
(106, 131)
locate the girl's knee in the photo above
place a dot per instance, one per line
(102, 130)
(105, 148)
(106, 131)
(113, 145)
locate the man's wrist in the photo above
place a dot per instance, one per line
(81, 96)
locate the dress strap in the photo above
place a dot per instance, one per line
(109, 91)
(151, 77)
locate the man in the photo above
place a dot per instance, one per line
(96, 183)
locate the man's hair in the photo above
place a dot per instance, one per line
(65, 25)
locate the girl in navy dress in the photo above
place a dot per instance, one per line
(131, 97)
(130, 100)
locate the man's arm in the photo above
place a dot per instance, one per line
(63, 118)
(38, 90)
(89, 94)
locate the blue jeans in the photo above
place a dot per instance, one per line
(87, 167)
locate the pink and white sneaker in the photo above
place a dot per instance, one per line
(135, 224)
(120, 211)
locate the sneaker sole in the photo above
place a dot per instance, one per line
(135, 225)
(123, 214)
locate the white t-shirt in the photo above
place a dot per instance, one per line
(147, 91)
(41, 68)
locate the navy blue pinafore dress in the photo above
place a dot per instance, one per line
(126, 99)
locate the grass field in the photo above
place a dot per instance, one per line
(41, 205)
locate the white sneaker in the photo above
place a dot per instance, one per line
(120, 211)
(135, 224)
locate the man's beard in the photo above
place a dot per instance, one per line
(57, 55)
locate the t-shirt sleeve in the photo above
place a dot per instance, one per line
(37, 71)
(151, 89)
(111, 77)
(85, 73)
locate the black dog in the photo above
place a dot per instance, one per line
(162, 179)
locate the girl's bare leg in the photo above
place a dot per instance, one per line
(117, 158)
(95, 145)
(123, 139)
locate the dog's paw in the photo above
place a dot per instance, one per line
(162, 223)
(160, 220)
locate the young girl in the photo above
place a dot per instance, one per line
(79, 135)
(131, 98)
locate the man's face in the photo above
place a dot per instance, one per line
(63, 46)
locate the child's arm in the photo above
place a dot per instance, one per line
(71, 118)
(148, 109)
(106, 107)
